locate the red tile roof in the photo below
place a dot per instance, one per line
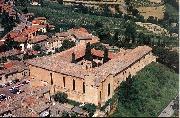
(38, 39)
(8, 65)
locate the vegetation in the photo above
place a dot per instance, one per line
(147, 93)
(105, 57)
(91, 108)
(60, 97)
(175, 107)
(65, 45)
(167, 57)
(37, 47)
(65, 17)
(74, 103)
(65, 114)
(113, 30)
(8, 22)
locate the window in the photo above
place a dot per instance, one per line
(73, 84)
(108, 89)
(0, 78)
(64, 82)
(83, 87)
(51, 79)
(100, 95)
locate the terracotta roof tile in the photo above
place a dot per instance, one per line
(38, 38)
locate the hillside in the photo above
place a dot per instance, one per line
(64, 17)
(148, 94)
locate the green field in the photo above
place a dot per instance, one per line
(150, 91)
(65, 17)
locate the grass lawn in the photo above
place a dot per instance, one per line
(149, 93)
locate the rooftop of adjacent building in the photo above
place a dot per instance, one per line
(13, 67)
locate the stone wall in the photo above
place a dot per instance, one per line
(115, 80)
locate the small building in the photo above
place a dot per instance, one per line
(13, 70)
(40, 40)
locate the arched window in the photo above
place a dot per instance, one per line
(73, 84)
(108, 89)
(84, 87)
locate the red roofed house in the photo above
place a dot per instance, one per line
(13, 70)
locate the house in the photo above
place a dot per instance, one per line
(53, 43)
(38, 40)
(13, 70)
(11, 53)
(81, 35)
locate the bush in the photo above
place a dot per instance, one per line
(91, 108)
(60, 97)
(74, 103)
(65, 114)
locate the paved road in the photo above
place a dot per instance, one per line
(168, 111)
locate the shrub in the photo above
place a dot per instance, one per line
(91, 108)
(60, 97)
(74, 103)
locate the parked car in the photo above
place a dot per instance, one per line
(8, 84)
(2, 97)
(15, 81)
(25, 82)
(15, 90)
(2, 85)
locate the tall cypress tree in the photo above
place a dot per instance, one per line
(88, 55)
(105, 58)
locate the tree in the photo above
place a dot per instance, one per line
(67, 44)
(25, 11)
(107, 11)
(60, 97)
(37, 47)
(60, 1)
(41, 2)
(91, 108)
(7, 22)
(65, 114)
(135, 12)
(98, 24)
(115, 38)
(23, 3)
(151, 19)
(105, 57)
(130, 32)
